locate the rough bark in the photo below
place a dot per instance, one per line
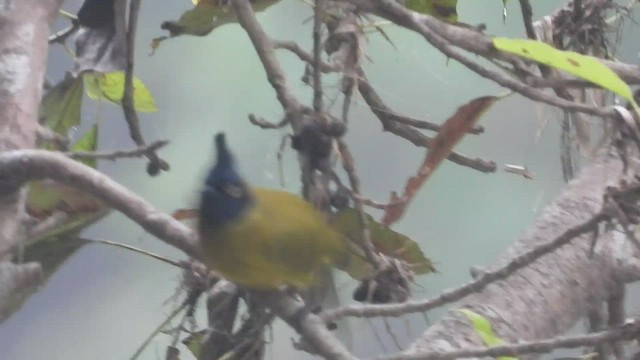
(24, 33)
(550, 296)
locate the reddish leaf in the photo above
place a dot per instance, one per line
(449, 135)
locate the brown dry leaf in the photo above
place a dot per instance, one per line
(449, 135)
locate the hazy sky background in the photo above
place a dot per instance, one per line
(103, 302)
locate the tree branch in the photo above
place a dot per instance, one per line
(381, 110)
(141, 151)
(20, 166)
(23, 52)
(265, 49)
(627, 331)
(155, 163)
(477, 285)
(444, 36)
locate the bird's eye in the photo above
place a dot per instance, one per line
(233, 190)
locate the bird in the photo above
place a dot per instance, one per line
(262, 238)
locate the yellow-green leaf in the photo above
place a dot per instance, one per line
(441, 9)
(483, 328)
(46, 196)
(582, 66)
(194, 342)
(385, 240)
(60, 108)
(110, 86)
(88, 142)
(204, 18)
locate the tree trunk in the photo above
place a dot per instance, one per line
(548, 297)
(24, 34)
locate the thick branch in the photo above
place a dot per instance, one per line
(627, 331)
(265, 49)
(20, 166)
(309, 326)
(24, 33)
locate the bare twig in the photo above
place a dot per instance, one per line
(157, 331)
(135, 249)
(141, 151)
(624, 332)
(444, 36)
(381, 110)
(527, 17)
(63, 34)
(426, 125)
(155, 163)
(304, 56)
(264, 124)
(318, 11)
(349, 166)
(265, 49)
(480, 283)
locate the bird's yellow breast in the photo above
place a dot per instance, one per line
(281, 239)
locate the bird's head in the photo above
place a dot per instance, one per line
(225, 196)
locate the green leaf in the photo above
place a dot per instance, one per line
(483, 328)
(60, 107)
(46, 197)
(204, 18)
(88, 142)
(110, 86)
(582, 66)
(384, 239)
(442, 9)
(194, 342)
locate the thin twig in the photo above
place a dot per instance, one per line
(157, 331)
(426, 125)
(381, 110)
(63, 34)
(318, 10)
(480, 283)
(141, 151)
(135, 249)
(349, 167)
(476, 43)
(265, 49)
(131, 116)
(264, 124)
(527, 17)
(304, 56)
